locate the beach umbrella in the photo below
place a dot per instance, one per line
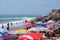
(33, 29)
(11, 32)
(39, 22)
(49, 26)
(50, 21)
(31, 36)
(55, 24)
(36, 28)
(10, 37)
(2, 34)
(39, 29)
(43, 29)
(20, 31)
(28, 24)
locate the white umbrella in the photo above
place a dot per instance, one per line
(39, 22)
(50, 21)
(43, 29)
(33, 29)
(39, 29)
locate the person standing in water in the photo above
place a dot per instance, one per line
(11, 23)
(2, 26)
(8, 26)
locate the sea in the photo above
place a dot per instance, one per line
(5, 19)
(9, 18)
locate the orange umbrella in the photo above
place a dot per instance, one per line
(31, 36)
(21, 31)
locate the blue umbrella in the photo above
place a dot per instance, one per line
(39, 26)
(42, 28)
(36, 28)
(55, 24)
(2, 34)
(41, 23)
(39, 29)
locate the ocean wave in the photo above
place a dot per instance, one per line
(6, 20)
(17, 18)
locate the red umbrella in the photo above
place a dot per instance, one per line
(23, 38)
(28, 24)
(32, 36)
(33, 24)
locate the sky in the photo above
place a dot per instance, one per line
(28, 7)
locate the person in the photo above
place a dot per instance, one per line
(59, 30)
(53, 34)
(8, 26)
(56, 31)
(48, 34)
(33, 24)
(11, 23)
(2, 26)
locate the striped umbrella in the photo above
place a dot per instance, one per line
(31, 36)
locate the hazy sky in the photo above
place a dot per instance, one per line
(27, 7)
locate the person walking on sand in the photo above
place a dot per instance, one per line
(8, 26)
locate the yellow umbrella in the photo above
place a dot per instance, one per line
(21, 31)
